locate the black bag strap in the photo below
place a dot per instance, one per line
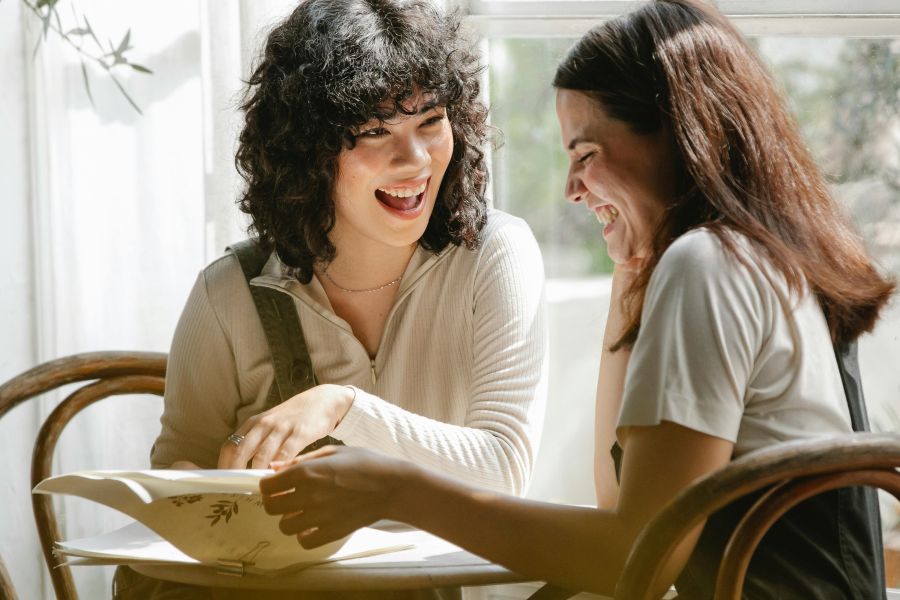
(278, 315)
(287, 346)
(848, 366)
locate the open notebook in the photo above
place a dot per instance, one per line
(208, 517)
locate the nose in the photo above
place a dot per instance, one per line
(410, 151)
(575, 189)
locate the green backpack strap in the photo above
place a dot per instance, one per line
(284, 334)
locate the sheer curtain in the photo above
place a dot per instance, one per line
(108, 215)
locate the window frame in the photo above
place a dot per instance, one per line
(572, 18)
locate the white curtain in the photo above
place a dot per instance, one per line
(108, 216)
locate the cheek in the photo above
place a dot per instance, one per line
(596, 180)
(356, 170)
(442, 147)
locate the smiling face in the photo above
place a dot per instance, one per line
(388, 182)
(626, 180)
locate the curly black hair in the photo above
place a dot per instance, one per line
(326, 70)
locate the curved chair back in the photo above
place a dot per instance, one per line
(7, 591)
(794, 470)
(107, 374)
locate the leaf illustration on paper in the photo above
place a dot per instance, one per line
(223, 508)
(186, 499)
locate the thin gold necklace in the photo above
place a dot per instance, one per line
(365, 291)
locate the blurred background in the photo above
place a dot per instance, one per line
(119, 186)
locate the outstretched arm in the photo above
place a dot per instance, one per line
(331, 492)
(610, 384)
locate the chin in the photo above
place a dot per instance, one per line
(407, 236)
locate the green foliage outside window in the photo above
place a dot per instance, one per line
(844, 92)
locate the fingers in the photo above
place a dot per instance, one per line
(291, 447)
(289, 473)
(262, 444)
(258, 448)
(270, 448)
(236, 456)
(324, 533)
(325, 522)
(300, 490)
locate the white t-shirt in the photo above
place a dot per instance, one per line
(727, 350)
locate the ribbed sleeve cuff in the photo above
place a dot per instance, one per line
(361, 407)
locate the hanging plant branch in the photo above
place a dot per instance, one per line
(107, 58)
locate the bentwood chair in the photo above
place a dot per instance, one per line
(792, 472)
(105, 374)
(7, 591)
(789, 473)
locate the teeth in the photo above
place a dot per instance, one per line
(606, 214)
(404, 192)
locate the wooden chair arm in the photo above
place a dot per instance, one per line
(818, 459)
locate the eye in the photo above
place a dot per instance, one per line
(433, 120)
(375, 132)
(584, 157)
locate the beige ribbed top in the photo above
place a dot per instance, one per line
(459, 382)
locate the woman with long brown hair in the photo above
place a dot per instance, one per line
(738, 282)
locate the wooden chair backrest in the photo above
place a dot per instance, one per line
(107, 374)
(794, 470)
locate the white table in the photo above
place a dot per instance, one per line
(431, 563)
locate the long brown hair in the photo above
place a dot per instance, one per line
(680, 66)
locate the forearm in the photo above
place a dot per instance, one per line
(574, 547)
(610, 385)
(496, 454)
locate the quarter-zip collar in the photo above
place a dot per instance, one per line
(313, 295)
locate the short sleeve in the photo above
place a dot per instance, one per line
(701, 329)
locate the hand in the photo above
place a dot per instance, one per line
(284, 431)
(330, 493)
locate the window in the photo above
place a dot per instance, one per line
(839, 66)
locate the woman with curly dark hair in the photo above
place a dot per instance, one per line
(739, 290)
(421, 308)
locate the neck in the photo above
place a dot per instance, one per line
(365, 265)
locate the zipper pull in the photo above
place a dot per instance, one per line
(372, 363)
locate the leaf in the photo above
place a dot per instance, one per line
(87, 84)
(87, 25)
(124, 93)
(140, 68)
(118, 52)
(78, 31)
(123, 45)
(46, 20)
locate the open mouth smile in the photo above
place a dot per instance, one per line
(606, 214)
(404, 202)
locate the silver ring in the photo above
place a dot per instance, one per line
(235, 438)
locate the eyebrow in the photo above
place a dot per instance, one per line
(428, 106)
(577, 140)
